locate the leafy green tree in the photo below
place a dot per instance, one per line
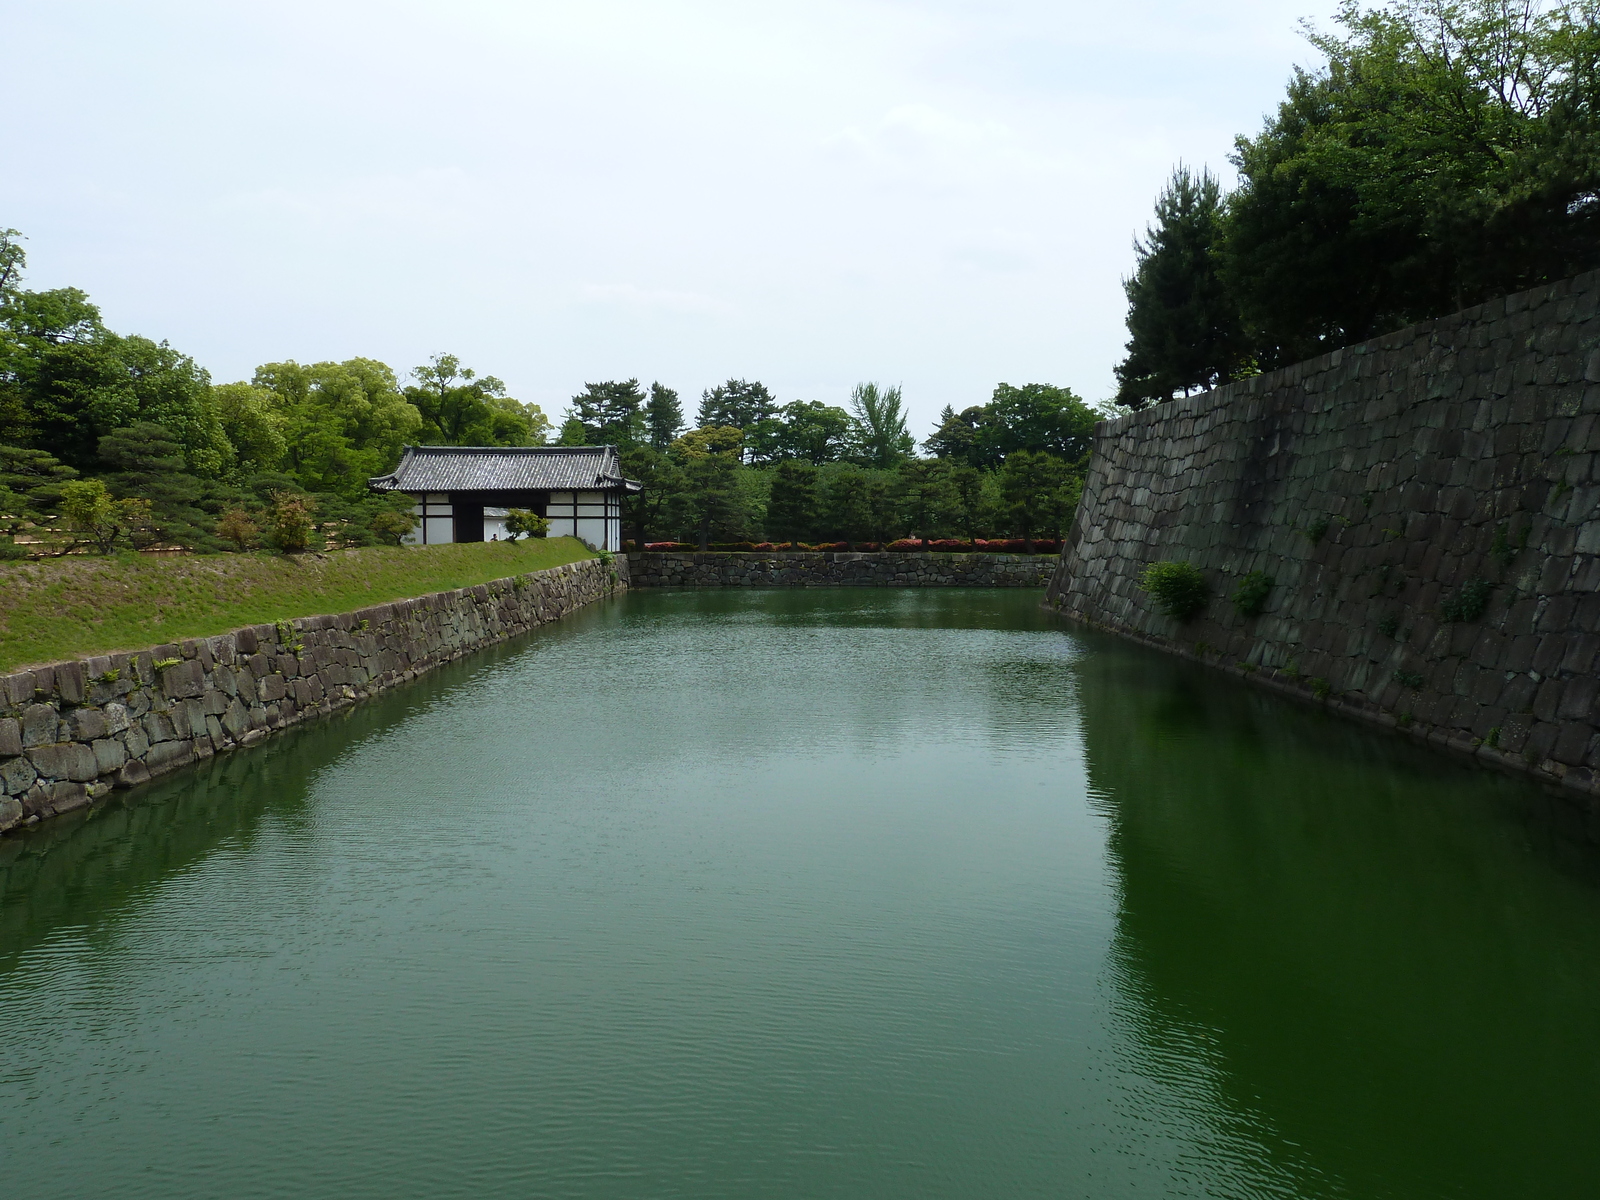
(847, 505)
(860, 505)
(1042, 418)
(663, 417)
(33, 475)
(964, 437)
(736, 404)
(102, 521)
(522, 522)
(612, 413)
(290, 522)
(66, 380)
(342, 423)
(463, 408)
(1038, 492)
(1183, 321)
(392, 519)
(816, 432)
(1448, 151)
(237, 526)
(978, 499)
(710, 499)
(929, 500)
(1035, 416)
(253, 426)
(663, 480)
(880, 431)
(793, 505)
(13, 258)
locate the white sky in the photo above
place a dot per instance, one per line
(937, 194)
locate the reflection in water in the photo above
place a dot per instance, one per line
(824, 893)
(1362, 957)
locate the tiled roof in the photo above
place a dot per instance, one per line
(504, 469)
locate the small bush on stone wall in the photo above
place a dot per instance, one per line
(1469, 602)
(1251, 595)
(1180, 590)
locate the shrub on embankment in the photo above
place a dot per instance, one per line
(65, 608)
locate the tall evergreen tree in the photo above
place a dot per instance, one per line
(663, 417)
(880, 433)
(792, 508)
(1183, 324)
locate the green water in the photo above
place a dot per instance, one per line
(807, 894)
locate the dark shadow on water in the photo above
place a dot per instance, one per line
(1384, 964)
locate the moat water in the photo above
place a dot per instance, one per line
(807, 894)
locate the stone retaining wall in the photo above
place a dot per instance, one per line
(796, 568)
(1427, 505)
(72, 731)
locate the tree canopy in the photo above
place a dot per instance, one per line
(1446, 151)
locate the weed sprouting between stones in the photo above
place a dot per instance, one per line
(1251, 594)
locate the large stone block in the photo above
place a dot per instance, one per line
(17, 776)
(87, 724)
(64, 760)
(183, 679)
(109, 754)
(39, 724)
(168, 756)
(10, 736)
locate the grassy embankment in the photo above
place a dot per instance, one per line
(68, 608)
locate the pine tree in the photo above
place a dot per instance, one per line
(1183, 323)
(663, 416)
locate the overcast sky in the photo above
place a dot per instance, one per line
(937, 194)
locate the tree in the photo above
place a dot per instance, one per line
(977, 497)
(736, 404)
(847, 505)
(90, 510)
(663, 417)
(12, 259)
(1183, 321)
(393, 519)
(1035, 416)
(30, 486)
(66, 380)
(662, 480)
(710, 502)
(964, 437)
(238, 527)
(147, 463)
(462, 408)
(1448, 151)
(252, 425)
(611, 413)
(1037, 490)
(792, 507)
(290, 522)
(928, 496)
(880, 425)
(342, 423)
(522, 522)
(816, 432)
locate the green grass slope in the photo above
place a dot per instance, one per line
(68, 608)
